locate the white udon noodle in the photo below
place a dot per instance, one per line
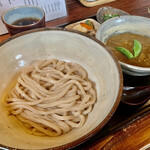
(52, 97)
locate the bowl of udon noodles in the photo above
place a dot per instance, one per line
(129, 39)
(58, 89)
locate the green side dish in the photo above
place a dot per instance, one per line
(108, 16)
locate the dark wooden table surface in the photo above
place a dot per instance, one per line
(129, 128)
(77, 11)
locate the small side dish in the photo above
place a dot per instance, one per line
(109, 16)
(105, 13)
(86, 26)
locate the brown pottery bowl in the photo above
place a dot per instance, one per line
(39, 44)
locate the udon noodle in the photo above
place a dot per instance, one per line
(52, 97)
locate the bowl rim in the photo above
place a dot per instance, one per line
(121, 20)
(86, 137)
(135, 68)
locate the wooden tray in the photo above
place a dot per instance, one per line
(95, 3)
(128, 124)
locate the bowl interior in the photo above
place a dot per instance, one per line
(122, 24)
(102, 68)
(17, 13)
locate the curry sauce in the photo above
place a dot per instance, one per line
(126, 40)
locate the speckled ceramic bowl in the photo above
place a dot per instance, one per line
(108, 10)
(40, 44)
(133, 24)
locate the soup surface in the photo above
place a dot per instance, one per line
(25, 21)
(126, 40)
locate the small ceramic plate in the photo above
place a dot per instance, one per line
(96, 25)
(108, 10)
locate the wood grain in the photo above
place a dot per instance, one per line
(134, 136)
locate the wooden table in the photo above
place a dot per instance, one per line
(129, 128)
(76, 11)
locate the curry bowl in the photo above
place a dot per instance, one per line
(102, 69)
(136, 25)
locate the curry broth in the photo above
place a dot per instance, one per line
(126, 40)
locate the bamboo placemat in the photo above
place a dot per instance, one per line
(95, 3)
